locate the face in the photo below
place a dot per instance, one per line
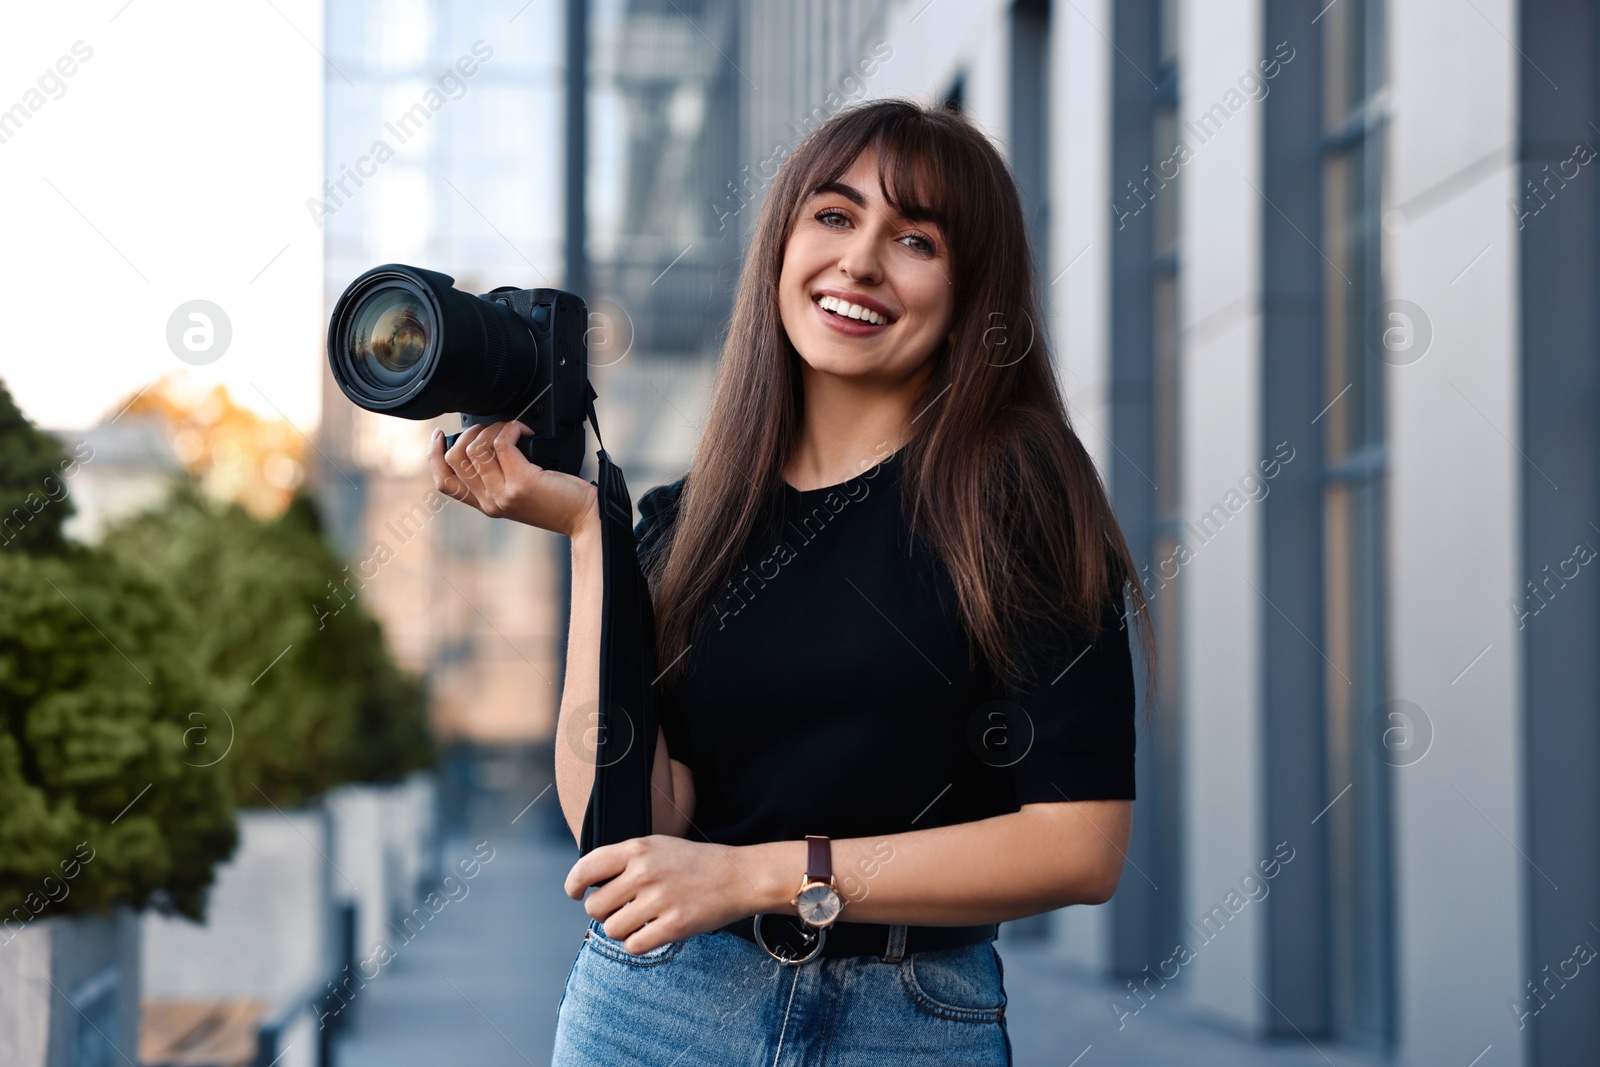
(864, 293)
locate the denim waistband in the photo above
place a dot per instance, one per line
(783, 931)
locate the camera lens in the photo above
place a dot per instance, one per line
(404, 341)
(390, 337)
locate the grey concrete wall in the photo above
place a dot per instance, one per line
(357, 850)
(69, 986)
(1076, 294)
(95, 987)
(1220, 372)
(25, 995)
(267, 924)
(1452, 538)
(382, 849)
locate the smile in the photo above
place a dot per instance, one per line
(845, 310)
(844, 324)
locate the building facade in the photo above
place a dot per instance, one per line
(1323, 282)
(440, 153)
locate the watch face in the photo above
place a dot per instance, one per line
(818, 903)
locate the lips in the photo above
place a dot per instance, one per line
(855, 305)
(847, 326)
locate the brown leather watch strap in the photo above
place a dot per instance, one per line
(819, 859)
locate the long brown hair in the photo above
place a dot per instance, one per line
(993, 476)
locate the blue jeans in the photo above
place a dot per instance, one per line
(716, 998)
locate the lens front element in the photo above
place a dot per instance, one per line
(405, 341)
(390, 336)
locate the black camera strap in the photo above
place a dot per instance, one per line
(619, 803)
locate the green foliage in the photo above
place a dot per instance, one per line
(314, 697)
(99, 798)
(33, 473)
(143, 694)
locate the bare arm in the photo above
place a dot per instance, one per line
(651, 890)
(1043, 857)
(484, 469)
(672, 791)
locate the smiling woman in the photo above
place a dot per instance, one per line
(924, 725)
(909, 214)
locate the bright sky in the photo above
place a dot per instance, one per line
(172, 165)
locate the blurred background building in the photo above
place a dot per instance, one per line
(444, 149)
(1322, 289)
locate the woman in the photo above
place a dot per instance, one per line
(890, 608)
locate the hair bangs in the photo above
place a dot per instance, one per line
(915, 173)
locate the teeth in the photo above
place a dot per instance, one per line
(852, 311)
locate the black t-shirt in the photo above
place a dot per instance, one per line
(830, 692)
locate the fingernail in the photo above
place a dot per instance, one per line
(437, 433)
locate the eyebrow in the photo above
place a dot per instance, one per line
(911, 212)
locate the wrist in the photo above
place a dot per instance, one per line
(587, 528)
(773, 871)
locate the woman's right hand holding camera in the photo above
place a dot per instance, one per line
(485, 469)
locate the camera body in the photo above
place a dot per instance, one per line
(558, 321)
(404, 341)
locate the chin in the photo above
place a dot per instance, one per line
(836, 364)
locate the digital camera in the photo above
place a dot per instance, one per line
(404, 341)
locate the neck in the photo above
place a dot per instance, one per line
(849, 425)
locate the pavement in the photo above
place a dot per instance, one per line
(480, 985)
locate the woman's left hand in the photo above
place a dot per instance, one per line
(679, 887)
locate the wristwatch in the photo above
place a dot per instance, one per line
(818, 901)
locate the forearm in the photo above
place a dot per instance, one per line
(580, 692)
(580, 699)
(1043, 857)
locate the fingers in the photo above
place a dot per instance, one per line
(505, 445)
(485, 463)
(444, 478)
(468, 470)
(625, 921)
(596, 866)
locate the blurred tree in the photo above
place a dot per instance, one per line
(199, 655)
(33, 500)
(98, 686)
(313, 697)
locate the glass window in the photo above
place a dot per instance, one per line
(1360, 982)
(397, 34)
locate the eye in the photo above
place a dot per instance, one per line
(826, 214)
(920, 243)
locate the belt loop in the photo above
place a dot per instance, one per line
(897, 944)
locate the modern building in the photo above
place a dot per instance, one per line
(444, 150)
(664, 100)
(1323, 280)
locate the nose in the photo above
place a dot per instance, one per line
(859, 259)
